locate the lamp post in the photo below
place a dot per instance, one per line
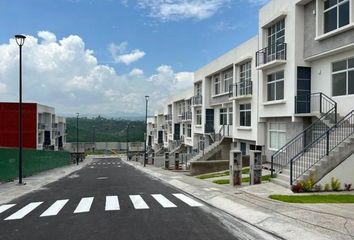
(77, 138)
(94, 137)
(128, 142)
(20, 40)
(145, 136)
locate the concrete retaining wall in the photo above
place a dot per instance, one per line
(201, 167)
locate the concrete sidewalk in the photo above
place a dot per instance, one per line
(252, 205)
(11, 190)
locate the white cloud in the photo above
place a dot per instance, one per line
(120, 55)
(136, 72)
(47, 37)
(66, 75)
(167, 10)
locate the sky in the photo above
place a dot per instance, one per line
(104, 56)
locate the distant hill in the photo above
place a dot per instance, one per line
(104, 130)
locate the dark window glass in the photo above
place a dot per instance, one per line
(330, 20)
(243, 147)
(344, 14)
(351, 63)
(329, 3)
(280, 75)
(338, 66)
(351, 82)
(339, 84)
(280, 90)
(242, 118)
(271, 92)
(248, 118)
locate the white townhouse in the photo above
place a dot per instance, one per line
(289, 92)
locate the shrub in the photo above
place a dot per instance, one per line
(296, 188)
(318, 188)
(335, 184)
(327, 188)
(348, 186)
(307, 185)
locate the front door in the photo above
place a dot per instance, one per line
(177, 132)
(303, 92)
(209, 120)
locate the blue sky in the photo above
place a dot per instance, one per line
(125, 35)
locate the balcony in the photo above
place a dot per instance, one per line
(168, 117)
(186, 116)
(197, 100)
(41, 126)
(271, 56)
(241, 90)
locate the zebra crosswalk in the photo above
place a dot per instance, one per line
(104, 163)
(84, 206)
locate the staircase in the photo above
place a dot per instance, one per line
(223, 137)
(319, 156)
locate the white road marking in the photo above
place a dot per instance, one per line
(84, 205)
(138, 202)
(112, 203)
(187, 200)
(24, 211)
(163, 201)
(55, 208)
(3, 208)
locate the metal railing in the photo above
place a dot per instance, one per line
(315, 102)
(168, 117)
(197, 100)
(282, 158)
(241, 89)
(277, 51)
(186, 116)
(321, 147)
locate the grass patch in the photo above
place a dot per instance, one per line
(222, 181)
(213, 175)
(244, 180)
(330, 198)
(245, 170)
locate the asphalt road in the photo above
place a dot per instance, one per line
(112, 200)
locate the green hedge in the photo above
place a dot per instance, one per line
(34, 161)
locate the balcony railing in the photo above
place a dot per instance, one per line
(186, 116)
(197, 100)
(271, 53)
(241, 89)
(168, 117)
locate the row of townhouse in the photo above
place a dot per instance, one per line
(289, 92)
(42, 128)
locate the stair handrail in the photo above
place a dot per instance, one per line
(303, 135)
(326, 137)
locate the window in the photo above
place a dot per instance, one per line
(216, 85)
(230, 115)
(245, 115)
(343, 77)
(189, 130)
(276, 38)
(245, 78)
(228, 79)
(277, 135)
(243, 147)
(198, 89)
(198, 117)
(223, 116)
(275, 86)
(183, 129)
(336, 14)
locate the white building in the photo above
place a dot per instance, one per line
(281, 92)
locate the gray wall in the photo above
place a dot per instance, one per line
(313, 47)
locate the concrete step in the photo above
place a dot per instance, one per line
(284, 177)
(280, 182)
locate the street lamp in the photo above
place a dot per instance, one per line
(20, 40)
(146, 110)
(128, 141)
(94, 137)
(77, 138)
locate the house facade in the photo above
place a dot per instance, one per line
(287, 92)
(42, 128)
